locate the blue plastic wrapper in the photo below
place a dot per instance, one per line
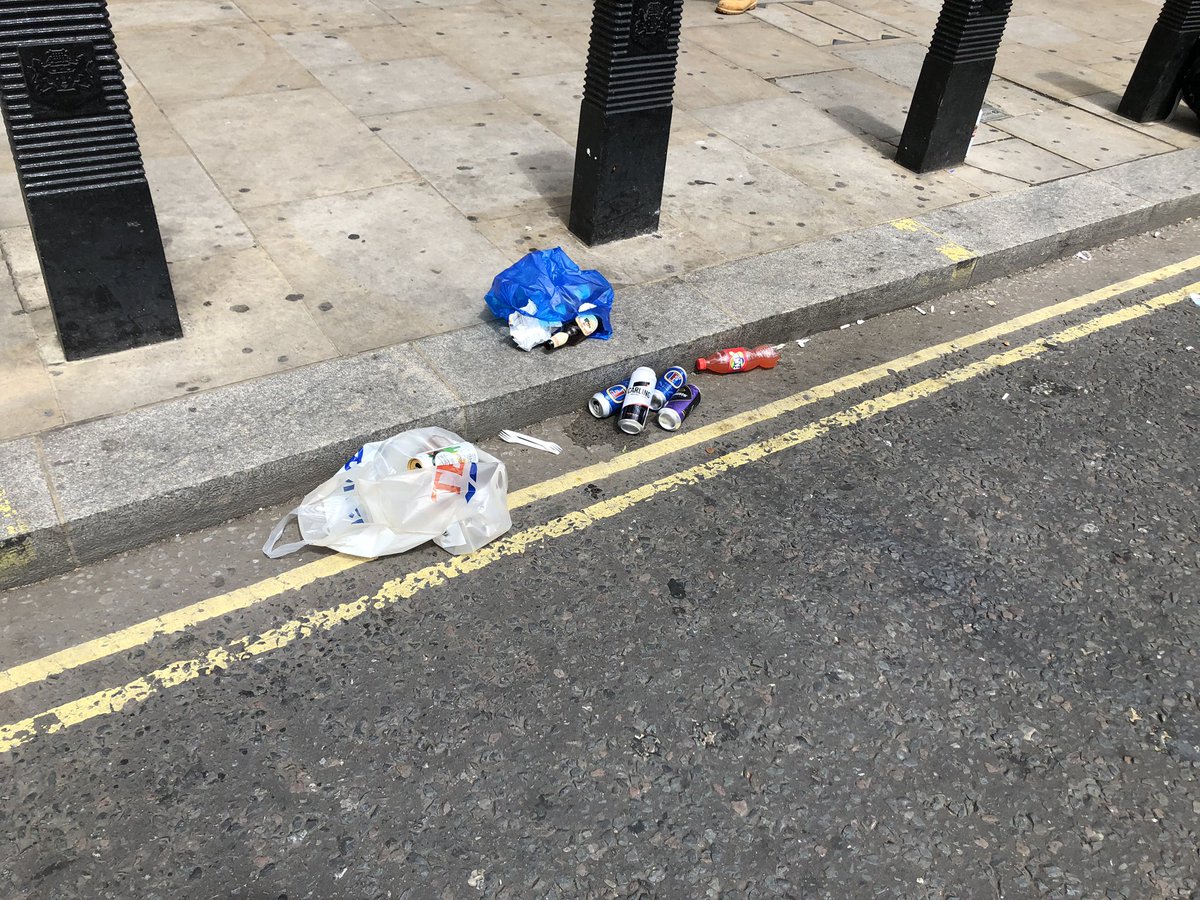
(549, 286)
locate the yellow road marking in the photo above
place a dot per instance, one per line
(14, 552)
(242, 598)
(952, 250)
(105, 702)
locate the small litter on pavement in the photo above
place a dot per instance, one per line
(546, 299)
(423, 485)
(803, 342)
(516, 437)
(921, 311)
(1085, 255)
(1195, 298)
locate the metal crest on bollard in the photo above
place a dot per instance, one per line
(625, 119)
(80, 171)
(1157, 82)
(954, 79)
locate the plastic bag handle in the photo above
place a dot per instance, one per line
(276, 533)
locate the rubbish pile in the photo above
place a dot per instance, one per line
(548, 301)
(670, 395)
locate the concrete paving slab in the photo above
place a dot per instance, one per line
(843, 17)
(1047, 73)
(32, 543)
(271, 148)
(488, 159)
(238, 324)
(373, 89)
(1013, 100)
(707, 186)
(551, 100)
(896, 61)
(704, 79)
(12, 207)
(1021, 160)
(236, 59)
(147, 13)
(866, 182)
(916, 18)
(194, 217)
(764, 50)
(24, 268)
(318, 50)
(986, 182)
(779, 123)
(1083, 138)
(802, 25)
(1180, 130)
(492, 44)
(305, 15)
(861, 101)
(382, 266)
(28, 403)
(156, 135)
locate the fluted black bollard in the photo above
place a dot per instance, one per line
(949, 94)
(1157, 82)
(625, 119)
(80, 171)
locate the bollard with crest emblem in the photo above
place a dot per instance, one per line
(80, 171)
(625, 119)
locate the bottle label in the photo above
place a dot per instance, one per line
(737, 360)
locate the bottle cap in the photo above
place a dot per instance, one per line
(701, 365)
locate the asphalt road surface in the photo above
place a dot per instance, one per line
(926, 630)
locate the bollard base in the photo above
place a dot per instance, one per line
(103, 262)
(944, 114)
(1157, 82)
(620, 163)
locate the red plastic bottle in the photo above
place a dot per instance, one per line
(739, 359)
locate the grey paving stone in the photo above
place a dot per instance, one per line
(1021, 230)
(822, 285)
(33, 544)
(1171, 182)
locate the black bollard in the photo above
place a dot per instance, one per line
(80, 170)
(949, 95)
(625, 119)
(1157, 82)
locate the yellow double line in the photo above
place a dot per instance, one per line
(107, 701)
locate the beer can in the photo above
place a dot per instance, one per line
(636, 407)
(679, 407)
(670, 382)
(606, 402)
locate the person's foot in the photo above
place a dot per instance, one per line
(735, 7)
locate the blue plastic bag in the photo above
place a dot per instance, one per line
(547, 285)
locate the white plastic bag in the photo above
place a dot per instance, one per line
(422, 485)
